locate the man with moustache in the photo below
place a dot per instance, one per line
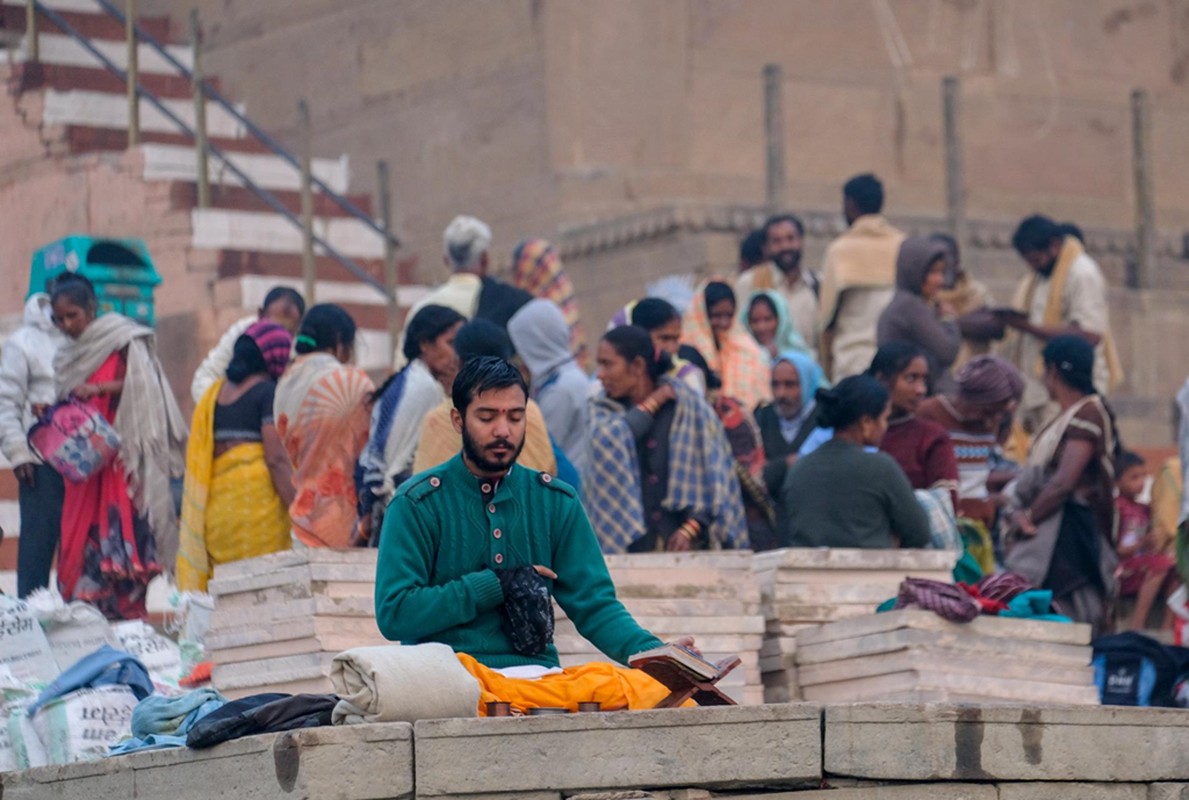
(473, 548)
(783, 238)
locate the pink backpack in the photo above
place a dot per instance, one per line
(75, 439)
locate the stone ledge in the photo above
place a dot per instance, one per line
(776, 745)
(365, 762)
(1006, 743)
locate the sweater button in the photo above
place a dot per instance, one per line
(499, 558)
(435, 481)
(486, 488)
(491, 508)
(497, 533)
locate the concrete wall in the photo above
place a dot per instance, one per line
(538, 113)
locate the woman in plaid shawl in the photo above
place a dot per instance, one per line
(662, 475)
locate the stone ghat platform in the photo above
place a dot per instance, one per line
(796, 751)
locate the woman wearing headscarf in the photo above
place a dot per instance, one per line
(712, 328)
(1061, 508)
(400, 406)
(239, 482)
(560, 387)
(766, 317)
(788, 420)
(988, 388)
(537, 269)
(915, 313)
(119, 526)
(322, 411)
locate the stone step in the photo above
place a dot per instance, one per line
(970, 641)
(94, 23)
(1002, 627)
(81, 6)
(948, 660)
(183, 196)
(848, 558)
(66, 77)
(97, 109)
(987, 688)
(92, 139)
(179, 163)
(58, 48)
(218, 229)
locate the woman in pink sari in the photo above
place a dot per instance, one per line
(322, 411)
(119, 526)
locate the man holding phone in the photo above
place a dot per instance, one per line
(1063, 293)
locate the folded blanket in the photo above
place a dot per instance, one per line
(395, 683)
(173, 716)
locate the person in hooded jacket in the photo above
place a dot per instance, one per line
(541, 337)
(916, 314)
(26, 389)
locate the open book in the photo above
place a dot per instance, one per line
(685, 673)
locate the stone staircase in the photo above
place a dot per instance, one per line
(65, 168)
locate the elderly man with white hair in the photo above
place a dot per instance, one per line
(469, 290)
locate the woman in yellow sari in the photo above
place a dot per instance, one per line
(238, 479)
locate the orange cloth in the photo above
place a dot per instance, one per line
(615, 688)
(739, 361)
(323, 417)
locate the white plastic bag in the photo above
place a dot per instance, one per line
(81, 725)
(160, 655)
(23, 646)
(73, 629)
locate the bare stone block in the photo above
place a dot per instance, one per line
(707, 747)
(1006, 743)
(910, 791)
(362, 762)
(1168, 791)
(1073, 791)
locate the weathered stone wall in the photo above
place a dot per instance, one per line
(536, 113)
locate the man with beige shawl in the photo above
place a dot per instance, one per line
(1064, 292)
(858, 280)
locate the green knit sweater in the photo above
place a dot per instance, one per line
(442, 540)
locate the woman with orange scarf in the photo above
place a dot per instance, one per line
(713, 329)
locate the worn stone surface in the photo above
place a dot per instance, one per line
(942, 742)
(911, 791)
(704, 747)
(1073, 791)
(1168, 791)
(365, 762)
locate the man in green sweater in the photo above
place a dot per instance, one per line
(469, 547)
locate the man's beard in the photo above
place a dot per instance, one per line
(485, 463)
(787, 260)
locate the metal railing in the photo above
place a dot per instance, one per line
(204, 148)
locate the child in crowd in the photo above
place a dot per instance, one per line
(1144, 571)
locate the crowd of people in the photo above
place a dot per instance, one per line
(884, 401)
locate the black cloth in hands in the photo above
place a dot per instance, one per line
(261, 713)
(527, 613)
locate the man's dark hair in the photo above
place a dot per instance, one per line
(1071, 229)
(76, 289)
(751, 249)
(278, 293)
(1035, 233)
(427, 324)
(866, 191)
(653, 312)
(484, 374)
(779, 218)
(482, 337)
(1126, 460)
